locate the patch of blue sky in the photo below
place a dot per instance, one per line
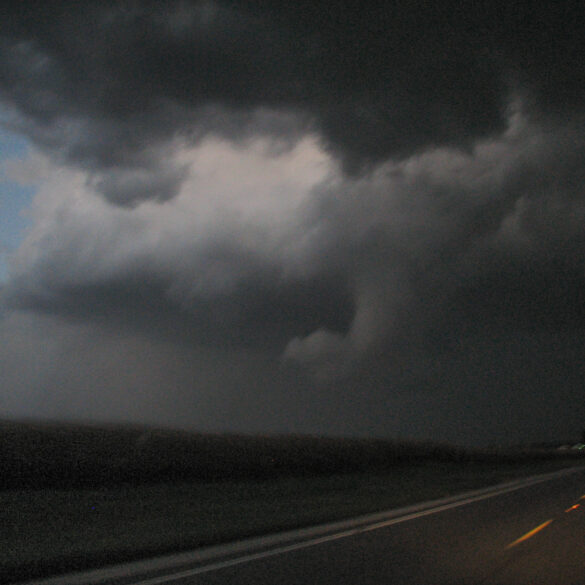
(14, 199)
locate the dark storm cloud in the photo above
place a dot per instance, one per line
(184, 271)
(256, 314)
(391, 268)
(444, 258)
(447, 248)
(108, 85)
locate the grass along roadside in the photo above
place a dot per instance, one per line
(48, 531)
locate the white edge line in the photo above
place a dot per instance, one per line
(330, 532)
(339, 535)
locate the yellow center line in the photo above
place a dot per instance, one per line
(529, 534)
(574, 507)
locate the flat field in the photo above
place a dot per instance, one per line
(70, 521)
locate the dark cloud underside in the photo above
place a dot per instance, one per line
(107, 84)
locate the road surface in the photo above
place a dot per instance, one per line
(526, 533)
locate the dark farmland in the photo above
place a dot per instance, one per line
(39, 455)
(76, 496)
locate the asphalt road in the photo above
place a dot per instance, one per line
(529, 535)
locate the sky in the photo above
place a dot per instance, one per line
(336, 218)
(16, 198)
